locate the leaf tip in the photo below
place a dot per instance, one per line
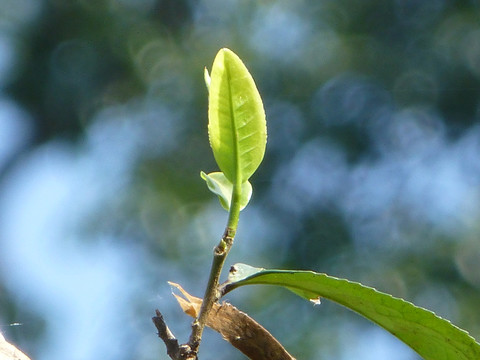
(207, 78)
(316, 301)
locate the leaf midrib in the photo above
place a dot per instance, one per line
(237, 177)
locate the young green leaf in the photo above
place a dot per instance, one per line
(206, 77)
(429, 335)
(223, 188)
(236, 118)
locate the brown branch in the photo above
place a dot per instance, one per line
(237, 328)
(175, 351)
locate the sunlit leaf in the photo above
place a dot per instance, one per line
(223, 188)
(207, 78)
(237, 126)
(429, 335)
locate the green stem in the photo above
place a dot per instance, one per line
(219, 255)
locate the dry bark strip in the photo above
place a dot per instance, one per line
(237, 328)
(10, 352)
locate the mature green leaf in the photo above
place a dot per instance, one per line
(429, 335)
(237, 127)
(223, 188)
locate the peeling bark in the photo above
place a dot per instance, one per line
(237, 328)
(10, 352)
